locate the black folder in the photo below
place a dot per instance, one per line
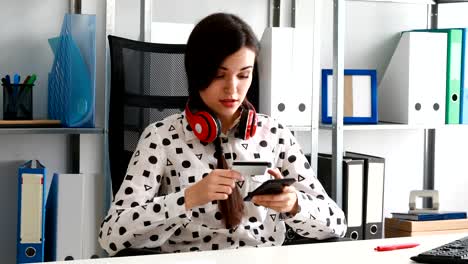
(374, 177)
(353, 182)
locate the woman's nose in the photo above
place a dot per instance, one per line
(231, 85)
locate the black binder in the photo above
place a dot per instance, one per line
(353, 182)
(374, 177)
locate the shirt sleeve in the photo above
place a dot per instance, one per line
(138, 214)
(319, 216)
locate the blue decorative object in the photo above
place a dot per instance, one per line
(73, 74)
(371, 117)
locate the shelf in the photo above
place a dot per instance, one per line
(13, 131)
(426, 2)
(379, 126)
(299, 128)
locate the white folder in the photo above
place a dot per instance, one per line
(412, 90)
(70, 224)
(285, 66)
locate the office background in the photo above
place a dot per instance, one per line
(369, 45)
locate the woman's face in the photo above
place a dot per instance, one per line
(226, 92)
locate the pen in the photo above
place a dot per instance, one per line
(395, 247)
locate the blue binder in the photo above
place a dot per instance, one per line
(464, 80)
(31, 212)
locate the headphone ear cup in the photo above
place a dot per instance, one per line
(253, 125)
(204, 125)
(211, 129)
(247, 124)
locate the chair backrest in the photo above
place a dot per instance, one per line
(148, 83)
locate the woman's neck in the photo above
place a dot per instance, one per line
(228, 122)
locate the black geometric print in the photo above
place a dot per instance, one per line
(292, 159)
(240, 183)
(158, 219)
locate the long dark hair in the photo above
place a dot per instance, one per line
(212, 40)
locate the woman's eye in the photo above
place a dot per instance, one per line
(219, 76)
(244, 76)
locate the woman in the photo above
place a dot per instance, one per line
(179, 193)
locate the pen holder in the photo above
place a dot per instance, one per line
(17, 102)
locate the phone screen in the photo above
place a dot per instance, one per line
(270, 187)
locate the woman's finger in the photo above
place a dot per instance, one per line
(275, 173)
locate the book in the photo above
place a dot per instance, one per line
(390, 232)
(418, 226)
(440, 215)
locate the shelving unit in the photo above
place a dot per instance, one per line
(64, 131)
(337, 126)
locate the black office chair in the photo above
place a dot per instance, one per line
(149, 83)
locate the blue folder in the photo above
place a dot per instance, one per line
(464, 80)
(31, 213)
(441, 215)
(72, 80)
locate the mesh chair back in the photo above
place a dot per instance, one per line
(148, 83)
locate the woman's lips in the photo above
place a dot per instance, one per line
(229, 102)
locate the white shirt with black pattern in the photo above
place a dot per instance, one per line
(149, 211)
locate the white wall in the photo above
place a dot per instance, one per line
(189, 11)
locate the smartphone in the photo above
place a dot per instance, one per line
(270, 187)
(248, 168)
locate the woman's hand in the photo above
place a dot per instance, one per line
(285, 202)
(217, 185)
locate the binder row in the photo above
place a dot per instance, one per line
(363, 192)
(56, 225)
(425, 82)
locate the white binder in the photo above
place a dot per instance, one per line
(285, 67)
(67, 216)
(412, 90)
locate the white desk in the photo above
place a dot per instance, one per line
(336, 252)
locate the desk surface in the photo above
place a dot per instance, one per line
(336, 252)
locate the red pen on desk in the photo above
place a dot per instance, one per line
(395, 247)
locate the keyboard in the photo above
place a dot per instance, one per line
(453, 252)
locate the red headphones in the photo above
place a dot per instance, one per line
(207, 127)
